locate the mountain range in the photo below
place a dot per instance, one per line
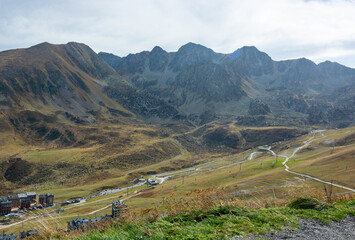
(194, 85)
(246, 86)
(70, 116)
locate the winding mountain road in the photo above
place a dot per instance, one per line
(306, 143)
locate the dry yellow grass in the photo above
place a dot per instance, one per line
(254, 174)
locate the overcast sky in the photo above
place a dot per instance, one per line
(318, 30)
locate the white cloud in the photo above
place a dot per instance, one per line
(284, 29)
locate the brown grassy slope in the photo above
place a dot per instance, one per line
(48, 78)
(329, 163)
(101, 156)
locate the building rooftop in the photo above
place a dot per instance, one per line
(25, 199)
(22, 195)
(46, 195)
(5, 203)
(12, 197)
(78, 223)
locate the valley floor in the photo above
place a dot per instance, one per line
(261, 178)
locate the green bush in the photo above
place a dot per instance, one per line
(307, 203)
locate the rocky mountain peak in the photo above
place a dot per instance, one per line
(252, 54)
(335, 68)
(193, 47)
(250, 61)
(158, 59)
(191, 53)
(157, 49)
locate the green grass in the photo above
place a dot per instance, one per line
(219, 222)
(53, 156)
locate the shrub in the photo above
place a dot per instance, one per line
(307, 203)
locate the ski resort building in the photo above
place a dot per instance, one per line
(117, 208)
(46, 199)
(5, 206)
(15, 201)
(32, 196)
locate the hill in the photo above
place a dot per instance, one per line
(61, 104)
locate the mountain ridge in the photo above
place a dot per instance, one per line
(289, 87)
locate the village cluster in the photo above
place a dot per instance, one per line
(78, 223)
(24, 201)
(117, 208)
(17, 204)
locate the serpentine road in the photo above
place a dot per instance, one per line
(306, 143)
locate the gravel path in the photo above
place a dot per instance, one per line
(315, 229)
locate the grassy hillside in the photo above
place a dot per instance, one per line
(210, 217)
(73, 172)
(257, 182)
(330, 158)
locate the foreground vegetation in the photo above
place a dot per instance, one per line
(210, 214)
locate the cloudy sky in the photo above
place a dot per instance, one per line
(318, 30)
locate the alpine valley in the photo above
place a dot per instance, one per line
(75, 123)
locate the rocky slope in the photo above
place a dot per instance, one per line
(49, 84)
(207, 86)
(57, 79)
